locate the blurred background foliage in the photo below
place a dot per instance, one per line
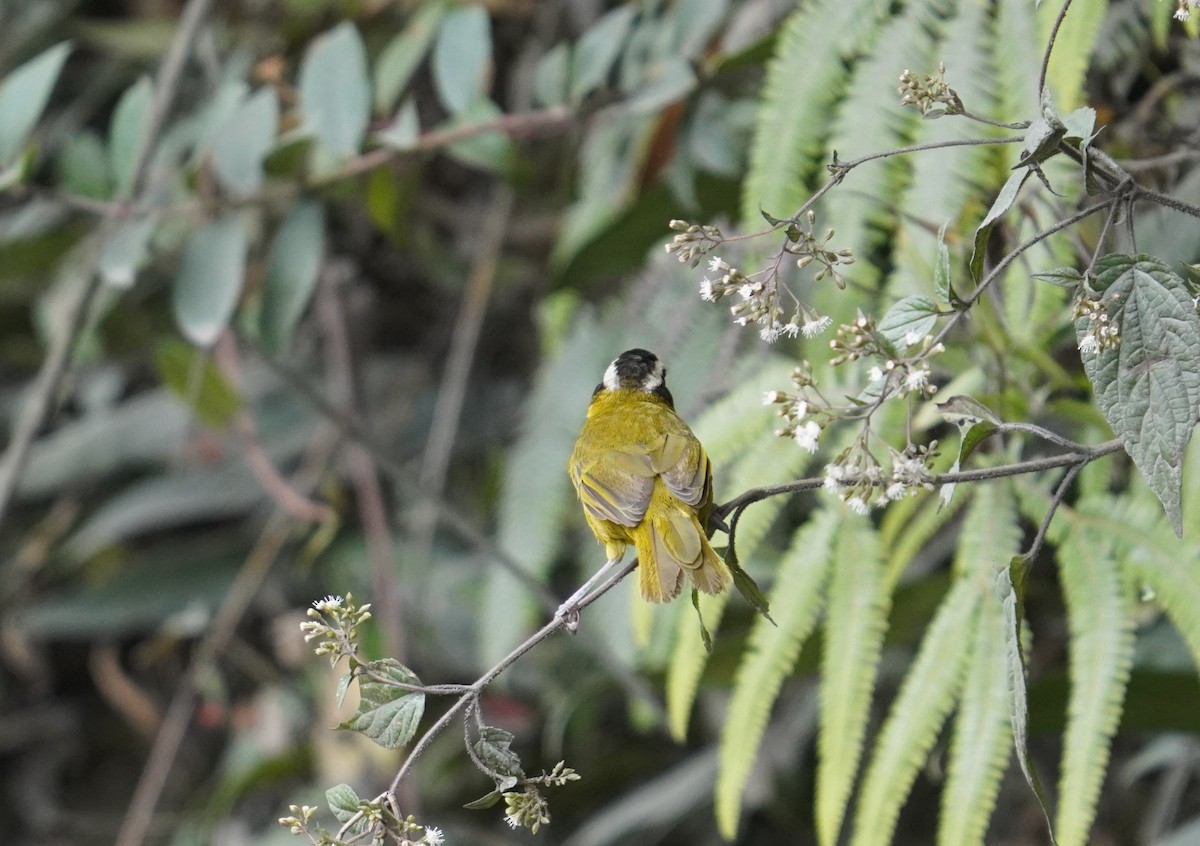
(334, 318)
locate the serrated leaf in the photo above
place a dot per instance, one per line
(403, 54)
(125, 251)
(24, 93)
(125, 133)
(192, 376)
(494, 748)
(1148, 387)
(243, 141)
(770, 654)
(386, 714)
(908, 321)
(292, 271)
(462, 56)
(1063, 277)
(335, 90)
(942, 287)
(597, 49)
(855, 622)
(342, 801)
(1003, 202)
(209, 280)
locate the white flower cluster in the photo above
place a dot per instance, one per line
(857, 478)
(1184, 11)
(1102, 333)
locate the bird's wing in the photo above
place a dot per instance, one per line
(616, 486)
(683, 465)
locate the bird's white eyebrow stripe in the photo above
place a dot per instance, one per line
(611, 380)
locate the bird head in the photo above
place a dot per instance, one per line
(637, 370)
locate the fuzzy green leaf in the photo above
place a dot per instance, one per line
(1063, 277)
(125, 132)
(1100, 621)
(1003, 202)
(462, 55)
(387, 714)
(770, 655)
(125, 251)
(908, 321)
(856, 619)
(494, 749)
(23, 95)
(209, 280)
(342, 801)
(243, 141)
(943, 288)
(1148, 386)
(335, 90)
(292, 270)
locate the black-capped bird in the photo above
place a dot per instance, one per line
(644, 479)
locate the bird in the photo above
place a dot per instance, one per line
(643, 478)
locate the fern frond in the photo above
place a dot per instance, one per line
(990, 533)
(930, 689)
(738, 420)
(769, 460)
(770, 654)
(1100, 620)
(1017, 58)
(804, 79)
(855, 622)
(909, 524)
(982, 734)
(1072, 49)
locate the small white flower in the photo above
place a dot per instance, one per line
(328, 603)
(715, 264)
(742, 321)
(706, 290)
(807, 434)
(1183, 13)
(433, 836)
(800, 409)
(858, 505)
(747, 291)
(512, 821)
(911, 338)
(875, 374)
(790, 329)
(1089, 344)
(772, 397)
(895, 491)
(916, 379)
(770, 334)
(812, 328)
(833, 478)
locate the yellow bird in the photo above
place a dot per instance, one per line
(644, 479)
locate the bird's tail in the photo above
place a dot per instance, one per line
(670, 544)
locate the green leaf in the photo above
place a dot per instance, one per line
(343, 687)
(1100, 622)
(494, 749)
(943, 289)
(748, 588)
(1081, 124)
(552, 76)
(1003, 202)
(125, 133)
(24, 93)
(770, 654)
(975, 422)
(386, 714)
(83, 165)
(403, 131)
(929, 690)
(671, 80)
(856, 619)
(908, 321)
(487, 150)
(1063, 277)
(462, 57)
(335, 91)
(1041, 141)
(1073, 47)
(125, 251)
(243, 141)
(982, 740)
(292, 271)
(1148, 387)
(342, 801)
(403, 54)
(210, 277)
(191, 375)
(486, 801)
(597, 49)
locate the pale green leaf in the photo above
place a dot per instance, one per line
(335, 90)
(550, 80)
(667, 81)
(1148, 386)
(1100, 622)
(597, 49)
(24, 93)
(908, 322)
(83, 165)
(125, 251)
(403, 54)
(405, 128)
(387, 714)
(494, 749)
(1002, 203)
(770, 654)
(1072, 48)
(126, 131)
(210, 277)
(192, 376)
(462, 57)
(292, 271)
(243, 141)
(855, 623)
(929, 690)
(487, 150)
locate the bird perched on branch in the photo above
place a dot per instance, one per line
(644, 479)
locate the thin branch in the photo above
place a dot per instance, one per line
(1144, 193)
(1062, 13)
(1059, 495)
(920, 148)
(78, 304)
